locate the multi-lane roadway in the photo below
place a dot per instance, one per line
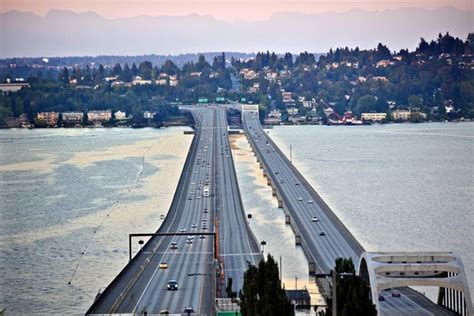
(325, 238)
(238, 246)
(207, 190)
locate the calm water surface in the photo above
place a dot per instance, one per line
(69, 199)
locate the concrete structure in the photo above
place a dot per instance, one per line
(50, 118)
(119, 115)
(445, 270)
(149, 115)
(321, 235)
(292, 110)
(374, 117)
(99, 116)
(401, 115)
(141, 286)
(72, 117)
(13, 87)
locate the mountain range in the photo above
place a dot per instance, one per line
(67, 33)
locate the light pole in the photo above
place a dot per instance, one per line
(334, 276)
(263, 243)
(291, 154)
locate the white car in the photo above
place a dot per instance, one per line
(315, 219)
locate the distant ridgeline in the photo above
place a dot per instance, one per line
(344, 86)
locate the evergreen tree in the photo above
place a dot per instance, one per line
(117, 70)
(262, 294)
(353, 297)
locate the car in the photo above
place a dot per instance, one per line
(322, 234)
(189, 241)
(297, 183)
(191, 237)
(202, 237)
(315, 219)
(396, 293)
(189, 310)
(381, 298)
(164, 312)
(193, 225)
(172, 285)
(182, 229)
(190, 197)
(310, 201)
(174, 245)
(204, 227)
(276, 172)
(300, 199)
(163, 265)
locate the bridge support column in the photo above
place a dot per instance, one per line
(287, 219)
(280, 204)
(261, 166)
(269, 182)
(274, 193)
(312, 268)
(298, 240)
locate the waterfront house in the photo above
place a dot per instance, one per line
(119, 115)
(373, 117)
(99, 116)
(49, 118)
(72, 117)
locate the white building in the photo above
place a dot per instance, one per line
(72, 117)
(149, 115)
(119, 115)
(374, 117)
(99, 116)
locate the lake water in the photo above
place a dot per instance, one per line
(69, 199)
(68, 191)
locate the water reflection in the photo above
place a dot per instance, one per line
(66, 215)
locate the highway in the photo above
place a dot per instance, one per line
(142, 285)
(323, 237)
(237, 245)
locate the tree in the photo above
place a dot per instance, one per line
(117, 70)
(64, 76)
(262, 293)
(230, 293)
(126, 74)
(145, 70)
(353, 297)
(365, 104)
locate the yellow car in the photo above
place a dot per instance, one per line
(163, 265)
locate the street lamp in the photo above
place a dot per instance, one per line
(141, 242)
(334, 276)
(263, 243)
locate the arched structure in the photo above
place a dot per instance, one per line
(386, 270)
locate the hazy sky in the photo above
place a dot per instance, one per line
(221, 9)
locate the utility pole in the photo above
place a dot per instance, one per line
(296, 282)
(334, 293)
(281, 269)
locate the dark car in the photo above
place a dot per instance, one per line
(381, 298)
(189, 310)
(322, 234)
(172, 285)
